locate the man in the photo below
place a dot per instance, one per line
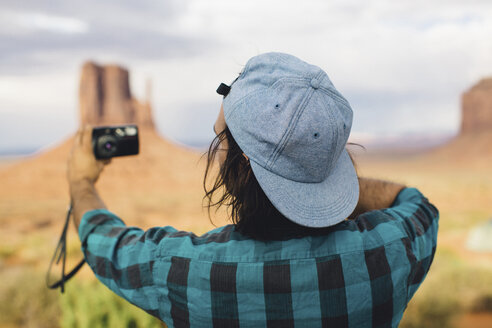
(311, 244)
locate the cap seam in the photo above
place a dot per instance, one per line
(334, 94)
(302, 207)
(280, 175)
(283, 141)
(246, 68)
(235, 104)
(339, 208)
(339, 205)
(291, 126)
(336, 136)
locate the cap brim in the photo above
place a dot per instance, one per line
(313, 204)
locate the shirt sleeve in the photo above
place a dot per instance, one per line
(419, 220)
(123, 257)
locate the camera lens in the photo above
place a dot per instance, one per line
(106, 146)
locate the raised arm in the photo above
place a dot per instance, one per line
(83, 171)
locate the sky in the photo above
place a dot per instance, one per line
(402, 65)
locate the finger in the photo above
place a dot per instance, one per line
(78, 136)
(87, 138)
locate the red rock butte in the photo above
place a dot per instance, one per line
(162, 185)
(106, 99)
(477, 108)
(473, 144)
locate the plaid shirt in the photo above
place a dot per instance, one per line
(360, 274)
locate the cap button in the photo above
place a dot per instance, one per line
(315, 83)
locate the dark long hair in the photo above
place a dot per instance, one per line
(248, 207)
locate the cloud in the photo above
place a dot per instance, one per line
(401, 64)
(41, 36)
(53, 23)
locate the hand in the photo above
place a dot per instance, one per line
(82, 164)
(375, 194)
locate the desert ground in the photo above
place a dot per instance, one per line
(163, 186)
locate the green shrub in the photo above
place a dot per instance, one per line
(432, 309)
(25, 301)
(7, 251)
(89, 304)
(452, 288)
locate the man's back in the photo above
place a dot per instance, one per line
(360, 273)
(281, 137)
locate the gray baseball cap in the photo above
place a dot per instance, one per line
(289, 119)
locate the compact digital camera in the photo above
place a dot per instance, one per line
(113, 141)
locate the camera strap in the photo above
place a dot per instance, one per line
(61, 254)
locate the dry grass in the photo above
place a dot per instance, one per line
(460, 280)
(162, 186)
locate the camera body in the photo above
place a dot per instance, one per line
(113, 141)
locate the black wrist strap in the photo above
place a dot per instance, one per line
(61, 254)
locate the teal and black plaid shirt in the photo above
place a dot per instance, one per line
(360, 274)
